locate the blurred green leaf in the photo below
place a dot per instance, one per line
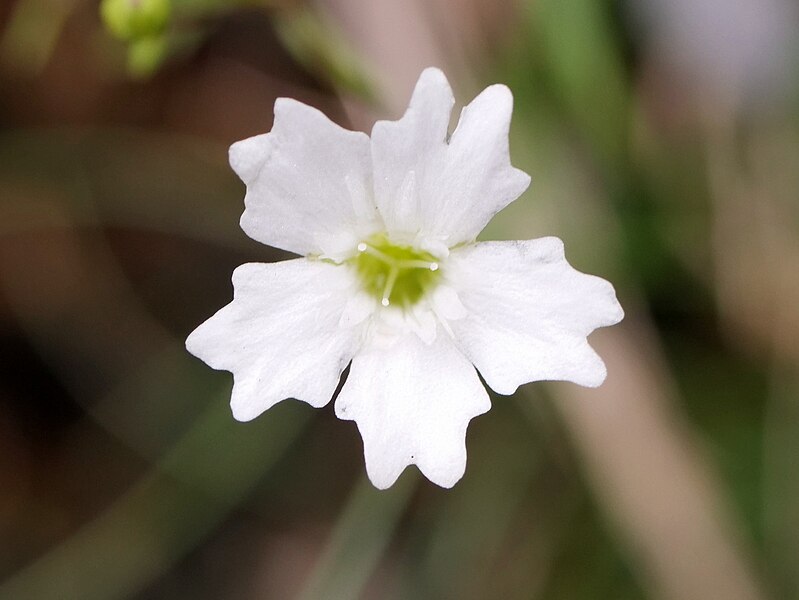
(31, 32)
(585, 63)
(316, 43)
(362, 533)
(171, 510)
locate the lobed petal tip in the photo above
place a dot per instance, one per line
(494, 103)
(284, 105)
(433, 74)
(199, 342)
(504, 388)
(250, 224)
(445, 478)
(382, 481)
(594, 371)
(243, 413)
(524, 180)
(247, 156)
(499, 92)
(597, 379)
(283, 102)
(432, 83)
(191, 343)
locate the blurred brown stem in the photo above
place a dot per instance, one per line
(651, 477)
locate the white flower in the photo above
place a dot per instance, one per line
(393, 282)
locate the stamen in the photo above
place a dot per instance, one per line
(396, 275)
(389, 260)
(416, 264)
(392, 279)
(400, 263)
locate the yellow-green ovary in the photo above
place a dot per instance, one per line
(395, 275)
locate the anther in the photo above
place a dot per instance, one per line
(434, 266)
(362, 247)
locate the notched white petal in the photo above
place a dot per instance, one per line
(481, 138)
(459, 183)
(430, 106)
(306, 182)
(248, 156)
(281, 335)
(412, 403)
(529, 313)
(396, 145)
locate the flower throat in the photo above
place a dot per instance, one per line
(395, 275)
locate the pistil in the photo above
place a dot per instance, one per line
(392, 279)
(396, 275)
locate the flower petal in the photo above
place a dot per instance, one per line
(308, 182)
(446, 190)
(529, 313)
(280, 337)
(412, 403)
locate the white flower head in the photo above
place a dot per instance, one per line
(393, 283)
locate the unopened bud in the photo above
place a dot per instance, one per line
(135, 19)
(145, 55)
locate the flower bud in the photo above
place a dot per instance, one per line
(145, 55)
(135, 19)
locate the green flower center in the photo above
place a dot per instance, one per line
(395, 275)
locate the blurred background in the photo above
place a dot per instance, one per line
(663, 141)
